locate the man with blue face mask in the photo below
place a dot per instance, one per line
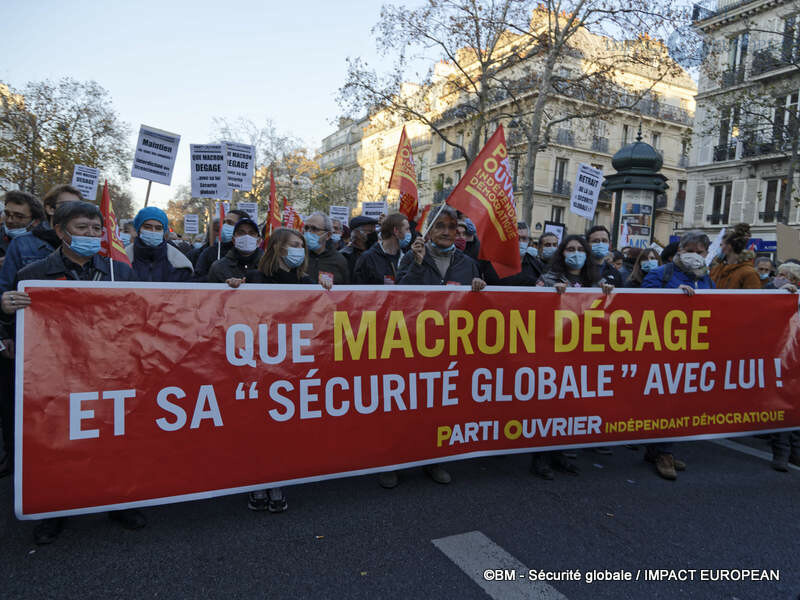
(378, 265)
(599, 240)
(152, 258)
(24, 215)
(336, 234)
(79, 227)
(325, 263)
(531, 267)
(212, 253)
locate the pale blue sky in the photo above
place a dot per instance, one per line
(176, 64)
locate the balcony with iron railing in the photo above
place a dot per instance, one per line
(775, 57)
(565, 137)
(762, 143)
(733, 76)
(768, 216)
(562, 188)
(717, 218)
(599, 144)
(441, 157)
(456, 154)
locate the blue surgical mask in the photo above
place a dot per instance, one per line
(649, 265)
(295, 257)
(548, 251)
(85, 245)
(227, 232)
(151, 238)
(198, 245)
(532, 251)
(125, 238)
(336, 237)
(312, 240)
(449, 250)
(763, 275)
(575, 260)
(15, 233)
(599, 250)
(523, 248)
(406, 240)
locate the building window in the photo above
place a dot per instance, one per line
(442, 145)
(680, 196)
(625, 134)
(721, 203)
(440, 181)
(728, 134)
(457, 176)
(791, 39)
(656, 140)
(773, 200)
(737, 53)
(785, 107)
(560, 183)
(557, 214)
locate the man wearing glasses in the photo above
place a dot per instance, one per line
(324, 261)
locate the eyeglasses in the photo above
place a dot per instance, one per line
(313, 229)
(16, 216)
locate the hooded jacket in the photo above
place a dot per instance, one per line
(671, 275)
(160, 263)
(740, 275)
(24, 250)
(328, 261)
(461, 271)
(233, 264)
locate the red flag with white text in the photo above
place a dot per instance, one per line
(486, 195)
(404, 178)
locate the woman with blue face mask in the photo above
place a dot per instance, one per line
(284, 261)
(151, 256)
(648, 260)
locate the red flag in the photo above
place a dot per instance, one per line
(423, 217)
(486, 195)
(111, 245)
(274, 218)
(291, 218)
(404, 177)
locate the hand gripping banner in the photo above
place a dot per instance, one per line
(141, 394)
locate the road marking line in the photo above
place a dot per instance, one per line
(748, 450)
(475, 553)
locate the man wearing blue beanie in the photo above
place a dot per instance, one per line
(152, 257)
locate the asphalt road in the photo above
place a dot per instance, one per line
(349, 538)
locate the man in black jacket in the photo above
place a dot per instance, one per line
(211, 254)
(599, 239)
(79, 226)
(244, 255)
(378, 265)
(532, 267)
(362, 237)
(324, 261)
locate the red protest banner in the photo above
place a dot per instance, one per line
(486, 195)
(217, 391)
(404, 178)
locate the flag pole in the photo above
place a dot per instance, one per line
(112, 266)
(425, 232)
(147, 196)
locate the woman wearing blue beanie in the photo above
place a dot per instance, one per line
(152, 257)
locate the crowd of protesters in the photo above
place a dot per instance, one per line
(59, 237)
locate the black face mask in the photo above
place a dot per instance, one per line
(372, 239)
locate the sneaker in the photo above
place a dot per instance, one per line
(438, 474)
(540, 467)
(277, 501)
(665, 465)
(651, 457)
(388, 479)
(561, 463)
(47, 531)
(129, 519)
(258, 500)
(604, 450)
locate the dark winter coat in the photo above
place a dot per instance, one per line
(233, 264)
(207, 258)
(161, 263)
(24, 250)
(462, 270)
(376, 267)
(280, 276)
(328, 261)
(532, 269)
(58, 266)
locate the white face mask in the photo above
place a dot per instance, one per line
(693, 260)
(245, 243)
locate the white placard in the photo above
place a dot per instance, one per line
(208, 171)
(85, 180)
(226, 205)
(373, 209)
(715, 247)
(585, 191)
(239, 159)
(191, 224)
(251, 208)
(155, 155)
(340, 213)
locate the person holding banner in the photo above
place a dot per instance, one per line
(599, 239)
(225, 243)
(244, 256)
(646, 261)
(687, 272)
(378, 265)
(79, 226)
(324, 261)
(152, 257)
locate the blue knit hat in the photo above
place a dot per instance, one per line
(150, 212)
